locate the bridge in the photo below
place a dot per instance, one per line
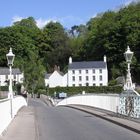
(81, 117)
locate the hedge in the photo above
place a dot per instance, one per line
(6, 88)
(78, 90)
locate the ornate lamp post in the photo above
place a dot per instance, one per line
(128, 56)
(10, 58)
(129, 102)
(129, 85)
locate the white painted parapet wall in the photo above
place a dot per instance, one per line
(5, 110)
(104, 101)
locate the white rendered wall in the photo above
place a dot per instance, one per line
(46, 82)
(19, 79)
(65, 79)
(55, 80)
(5, 110)
(90, 75)
(107, 102)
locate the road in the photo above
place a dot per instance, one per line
(62, 123)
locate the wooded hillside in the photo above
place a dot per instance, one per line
(39, 50)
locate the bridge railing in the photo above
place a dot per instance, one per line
(108, 102)
(5, 110)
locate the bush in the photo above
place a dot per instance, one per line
(112, 83)
(41, 91)
(4, 88)
(78, 90)
(18, 88)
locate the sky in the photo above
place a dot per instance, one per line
(67, 12)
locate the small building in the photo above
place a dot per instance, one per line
(86, 73)
(17, 76)
(56, 79)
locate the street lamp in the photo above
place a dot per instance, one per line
(10, 58)
(129, 85)
(128, 56)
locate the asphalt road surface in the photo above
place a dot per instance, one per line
(62, 123)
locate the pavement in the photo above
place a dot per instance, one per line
(24, 127)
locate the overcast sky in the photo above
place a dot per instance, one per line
(67, 12)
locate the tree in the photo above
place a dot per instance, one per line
(58, 50)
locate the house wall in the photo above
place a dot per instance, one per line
(46, 82)
(90, 81)
(55, 80)
(18, 78)
(65, 80)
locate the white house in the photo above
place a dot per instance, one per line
(54, 79)
(86, 73)
(17, 76)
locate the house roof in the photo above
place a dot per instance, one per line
(5, 71)
(47, 75)
(87, 65)
(61, 73)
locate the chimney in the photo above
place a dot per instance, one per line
(58, 68)
(105, 59)
(70, 60)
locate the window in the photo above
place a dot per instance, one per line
(100, 70)
(73, 85)
(73, 78)
(93, 71)
(101, 84)
(101, 78)
(86, 78)
(94, 78)
(80, 85)
(80, 78)
(94, 84)
(87, 84)
(86, 71)
(79, 71)
(73, 71)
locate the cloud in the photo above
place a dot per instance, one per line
(67, 21)
(95, 15)
(42, 22)
(39, 22)
(130, 1)
(16, 18)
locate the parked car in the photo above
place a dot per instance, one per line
(61, 95)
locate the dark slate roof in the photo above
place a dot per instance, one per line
(61, 73)
(47, 75)
(87, 65)
(5, 71)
